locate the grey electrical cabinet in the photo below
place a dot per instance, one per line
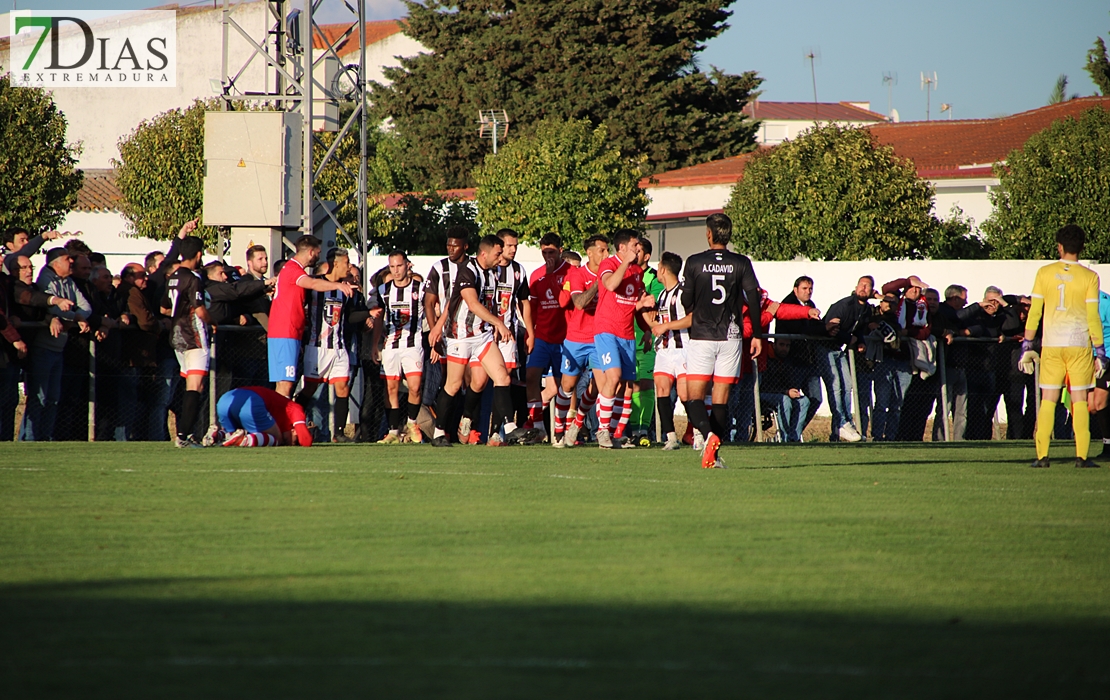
(252, 169)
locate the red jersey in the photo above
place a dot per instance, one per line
(287, 413)
(548, 317)
(615, 309)
(580, 322)
(287, 308)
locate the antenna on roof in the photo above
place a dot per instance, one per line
(929, 85)
(890, 79)
(813, 55)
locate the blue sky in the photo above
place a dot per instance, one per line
(992, 57)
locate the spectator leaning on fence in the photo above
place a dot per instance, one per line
(806, 359)
(846, 321)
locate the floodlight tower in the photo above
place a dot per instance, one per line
(929, 85)
(296, 77)
(493, 124)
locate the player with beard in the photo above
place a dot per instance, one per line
(403, 351)
(472, 331)
(516, 313)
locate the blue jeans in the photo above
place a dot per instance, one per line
(9, 399)
(808, 379)
(166, 377)
(834, 369)
(892, 379)
(791, 414)
(43, 390)
(741, 409)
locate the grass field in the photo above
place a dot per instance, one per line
(359, 571)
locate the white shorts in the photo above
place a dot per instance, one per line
(402, 362)
(192, 362)
(469, 350)
(325, 365)
(716, 361)
(670, 362)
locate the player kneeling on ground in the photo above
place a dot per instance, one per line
(255, 416)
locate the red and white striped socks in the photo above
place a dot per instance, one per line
(535, 414)
(562, 408)
(605, 411)
(585, 405)
(258, 440)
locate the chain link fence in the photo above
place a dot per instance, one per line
(802, 389)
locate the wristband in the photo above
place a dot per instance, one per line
(1026, 345)
(1100, 352)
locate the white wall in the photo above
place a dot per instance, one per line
(671, 200)
(384, 53)
(772, 131)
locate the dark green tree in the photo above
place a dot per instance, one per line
(38, 182)
(834, 194)
(1060, 176)
(627, 64)
(1098, 65)
(418, 224)
(566, 178)
(160, 173)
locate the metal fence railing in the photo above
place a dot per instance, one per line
(804, 388)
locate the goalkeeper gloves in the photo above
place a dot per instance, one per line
(1029, 357)
(1100, 361)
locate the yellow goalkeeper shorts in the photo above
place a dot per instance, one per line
(1076, 365)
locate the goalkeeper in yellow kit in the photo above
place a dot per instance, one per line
(1066, 293)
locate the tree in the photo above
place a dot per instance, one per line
(1060, 91)
(1060, 176)
(567, 178)
(160, 173)
(833, 194)
(1098, 65)
(419, 223)
(38, 182)
(627, 64)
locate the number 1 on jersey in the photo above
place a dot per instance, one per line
(1061, 307)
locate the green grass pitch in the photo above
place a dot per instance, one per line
(892, 571)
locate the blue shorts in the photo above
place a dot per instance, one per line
(546, 356)
(614, 353)
(242, 408)
(283, 355)
(578, 357)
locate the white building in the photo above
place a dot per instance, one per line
(782, 121)
(99, 117)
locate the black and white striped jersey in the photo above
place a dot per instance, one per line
(461, 321)
(512, 291)
(669, 308)
(327, 319)
(403, 314)
(441, 279)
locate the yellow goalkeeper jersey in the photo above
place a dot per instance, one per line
(1067, 295)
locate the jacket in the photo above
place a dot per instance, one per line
(66, 288)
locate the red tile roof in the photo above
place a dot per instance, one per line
(375, 32)
(462, 194)
(944, 149)
(949, 147)
(98, 191)
(806, 112)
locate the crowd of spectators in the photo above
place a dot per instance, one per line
(895, 336)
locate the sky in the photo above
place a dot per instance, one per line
(991, 57)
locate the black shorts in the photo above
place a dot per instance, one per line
(1100, 383)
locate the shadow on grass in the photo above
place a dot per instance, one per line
(56, 643)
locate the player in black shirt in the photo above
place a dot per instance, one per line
(717, 285)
